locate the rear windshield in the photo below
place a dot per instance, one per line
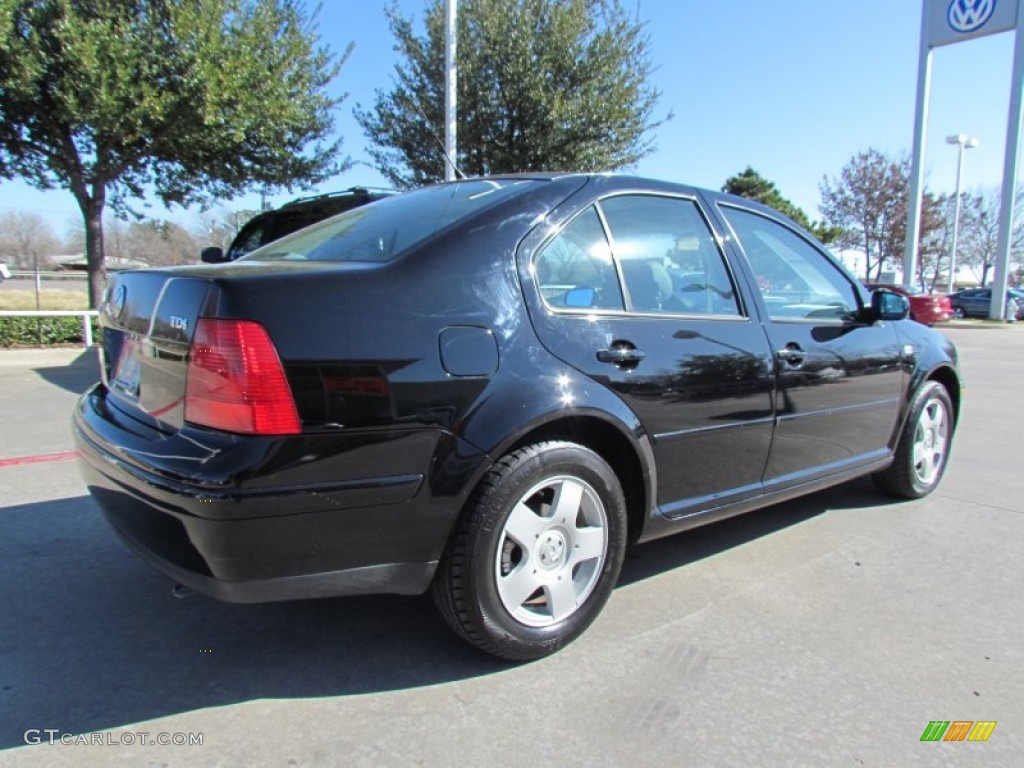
(385, 229)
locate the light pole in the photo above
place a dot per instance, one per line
(451, 29)
(964, 143)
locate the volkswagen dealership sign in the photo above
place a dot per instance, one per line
(951, 21)
(944, 22)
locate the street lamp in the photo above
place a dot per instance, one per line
(963, 142)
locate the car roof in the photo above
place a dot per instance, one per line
(350, 192)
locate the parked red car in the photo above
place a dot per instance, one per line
(926, 308)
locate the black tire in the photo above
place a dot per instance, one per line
(923, 450)
(524, 602)
(958, 313)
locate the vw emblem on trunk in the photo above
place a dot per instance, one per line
(969, 15)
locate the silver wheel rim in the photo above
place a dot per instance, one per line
(551, 551)
(931, 440)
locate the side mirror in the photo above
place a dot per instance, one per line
(580, 298)
(887, 305)
(214, 254)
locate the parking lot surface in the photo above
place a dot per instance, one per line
(828, 631)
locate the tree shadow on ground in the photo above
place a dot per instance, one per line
(77, 376)
(92, 638)
(656, 557)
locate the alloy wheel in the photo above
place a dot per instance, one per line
(931, 441)
(551, 551)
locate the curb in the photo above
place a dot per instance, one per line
(986, 325)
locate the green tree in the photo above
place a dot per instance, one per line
(753, 185)
(542, 85)
(187, 100)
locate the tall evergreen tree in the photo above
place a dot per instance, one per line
(542, 85)
(752, 185)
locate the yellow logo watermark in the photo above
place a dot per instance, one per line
(958, 730)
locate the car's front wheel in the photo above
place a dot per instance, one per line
(536, 552)
(958, 313)
(923, 448)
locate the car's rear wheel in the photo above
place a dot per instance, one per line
(536, 552)
(923, 449)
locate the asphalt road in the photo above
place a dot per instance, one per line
(824, 632)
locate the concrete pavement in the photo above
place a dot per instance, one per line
(826, 631)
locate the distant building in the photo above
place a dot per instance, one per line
(78, 263)
(853, 260)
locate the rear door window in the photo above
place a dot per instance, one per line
(575, 270)
(670, 261)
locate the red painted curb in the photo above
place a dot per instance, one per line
(39, 458)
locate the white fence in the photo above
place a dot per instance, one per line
(66, 275)
(85, 314)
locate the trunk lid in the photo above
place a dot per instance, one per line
(148, 319)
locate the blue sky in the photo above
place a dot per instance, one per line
(792, 89)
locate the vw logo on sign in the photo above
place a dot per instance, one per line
(969, 15)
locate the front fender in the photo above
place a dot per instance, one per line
(934, 357)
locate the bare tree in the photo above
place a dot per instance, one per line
(935, 245)
(978, 238)
(160, 243)
(868, 203)
(24, 237)
(978, 233)
(116, 238)
(219, 226)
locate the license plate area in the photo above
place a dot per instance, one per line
(127, 373)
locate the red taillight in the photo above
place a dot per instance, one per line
(236, 381)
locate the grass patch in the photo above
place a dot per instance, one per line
(20, 300)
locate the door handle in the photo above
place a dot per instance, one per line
(792, 355)
(621, 353)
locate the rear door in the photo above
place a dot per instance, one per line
(839, 379)
(638, 295)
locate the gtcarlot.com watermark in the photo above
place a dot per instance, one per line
(120, 739)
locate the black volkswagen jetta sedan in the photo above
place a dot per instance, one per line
(488, 388)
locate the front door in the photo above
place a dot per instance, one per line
(840, 379)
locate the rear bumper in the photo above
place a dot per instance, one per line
(383, 578)
(285, 523)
